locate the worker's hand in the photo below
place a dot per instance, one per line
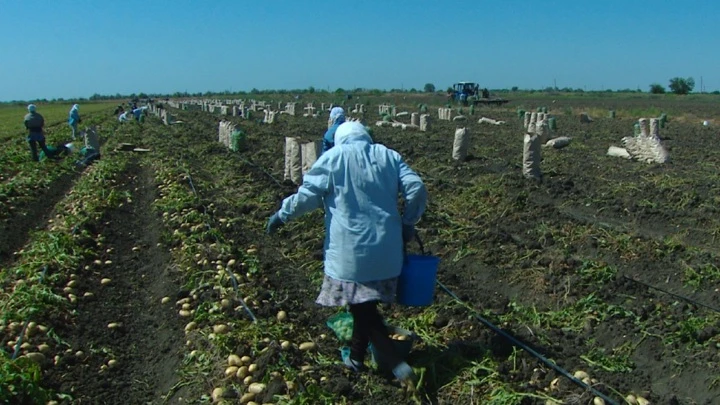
(274, 223)
(408, 233)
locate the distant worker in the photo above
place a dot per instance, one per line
(125, 116)
(337, 117)
(91, 151)
(137, 112)
(74, 119)
(35, 123)
(119, 110)
(485, 93)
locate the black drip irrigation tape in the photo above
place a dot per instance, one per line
(233, 280)
(27, 322)
(690, 300)
(523, 346)
(262, 170)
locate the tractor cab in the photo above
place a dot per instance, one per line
(465, 91)
(469, 89)
(470, 93)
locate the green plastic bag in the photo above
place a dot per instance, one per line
(237, 140)
(342, 325)
(552, 124)
(53, 152)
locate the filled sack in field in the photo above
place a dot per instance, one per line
(461, 144)
(558, 143)
(531, 157)
(424, 122)
(310, 153)
(647, 146)
(485, 120)
(646, 149)
(293, 160)
(618, 152)
(92, 141)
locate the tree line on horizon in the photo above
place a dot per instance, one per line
(677, 85)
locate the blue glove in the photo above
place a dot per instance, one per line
(274, 223)
(408, 233)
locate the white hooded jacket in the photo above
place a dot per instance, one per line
(358, 184)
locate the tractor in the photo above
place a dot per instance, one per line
(469, 92)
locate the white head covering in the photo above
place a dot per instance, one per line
(74, 107)
(351, 130)
(336, 112)
(32, 108)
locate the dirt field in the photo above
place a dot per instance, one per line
(563, 265)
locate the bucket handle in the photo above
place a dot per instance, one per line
(420, 244)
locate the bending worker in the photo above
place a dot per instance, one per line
(357, 183)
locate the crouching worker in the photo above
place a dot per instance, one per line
(91, 151)
(124, 116)
(34, 122)
(357, 182)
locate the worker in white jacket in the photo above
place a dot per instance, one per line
(358, 182)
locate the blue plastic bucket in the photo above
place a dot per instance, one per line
(416, 285)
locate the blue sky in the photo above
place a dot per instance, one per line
(62, 48)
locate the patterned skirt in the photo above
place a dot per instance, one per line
(335, 293)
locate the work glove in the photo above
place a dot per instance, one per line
(408, 233)
(274, 223)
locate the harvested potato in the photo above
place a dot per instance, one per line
(256, 388)
(36, 357)
(247, 397)
(242, 372)
(231, 371)
(218, 394)
(307, 346)
(234, 360)
(581, 375)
